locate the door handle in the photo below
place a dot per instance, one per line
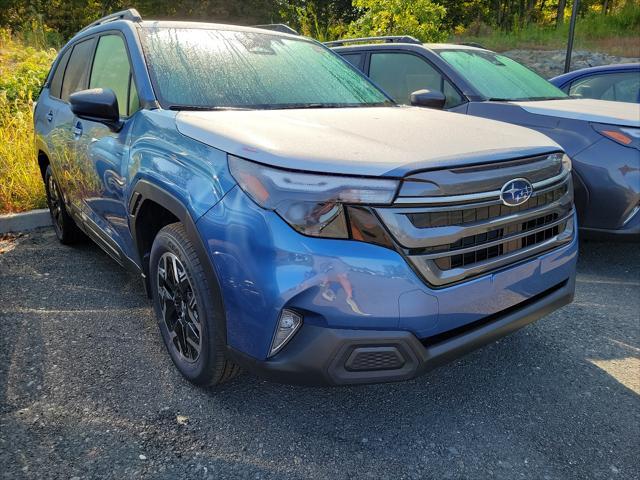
(77, 130)
(50, 116)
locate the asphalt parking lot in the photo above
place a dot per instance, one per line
(87, 390)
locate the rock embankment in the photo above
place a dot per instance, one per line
(550, 63)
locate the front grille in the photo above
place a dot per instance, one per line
(481, 254)
(464, 216)
(456, 237)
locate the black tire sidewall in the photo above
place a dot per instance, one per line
(200, 371)
(60, 231)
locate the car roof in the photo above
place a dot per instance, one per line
(125, 23)
(213, 26)
(428, 46)
(620, 67)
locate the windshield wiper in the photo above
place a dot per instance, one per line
(203, 108)
(536, 99)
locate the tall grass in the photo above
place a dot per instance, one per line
(615, 34)
(22, 72)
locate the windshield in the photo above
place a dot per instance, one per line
(497, 77)
(207, 69)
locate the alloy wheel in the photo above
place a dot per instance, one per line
(179, 307)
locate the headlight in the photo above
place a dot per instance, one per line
(311, 203)
(566, 163)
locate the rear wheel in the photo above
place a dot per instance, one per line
(184, 307)
(65, 227)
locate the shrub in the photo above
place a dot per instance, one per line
(22, 73)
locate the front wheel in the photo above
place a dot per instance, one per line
(186, 314)
(65, 227)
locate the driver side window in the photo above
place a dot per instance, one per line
(401, 74)
(111, 69)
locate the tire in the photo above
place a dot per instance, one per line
(184, 307)
(65, 227)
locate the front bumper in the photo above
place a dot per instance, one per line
(607, 190)
(629, 232)
(343, 286)
(329, 356)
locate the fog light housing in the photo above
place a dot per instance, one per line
(288, 324)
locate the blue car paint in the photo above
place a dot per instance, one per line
(290, 270)
(262, 263)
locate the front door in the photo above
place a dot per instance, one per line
(400, 74)
(101, 153)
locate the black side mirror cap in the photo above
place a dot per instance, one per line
(97, 105)
(428, 98)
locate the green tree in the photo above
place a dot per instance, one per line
(423, 19)
(320, 19)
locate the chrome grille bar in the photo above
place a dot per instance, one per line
(493, 196)
(449, 239)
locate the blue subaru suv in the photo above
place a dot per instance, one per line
(286, 216)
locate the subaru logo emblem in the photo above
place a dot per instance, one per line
(516, 192)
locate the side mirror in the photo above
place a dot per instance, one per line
(428, 98)
(97, 105)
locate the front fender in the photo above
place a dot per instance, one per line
(194, 173)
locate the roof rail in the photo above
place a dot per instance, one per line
(278, 27)
(473, 44)
(384, 39)
(130, 14)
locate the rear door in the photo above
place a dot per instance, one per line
(102, 153)
(71, 75)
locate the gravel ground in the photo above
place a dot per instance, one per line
(87, 391)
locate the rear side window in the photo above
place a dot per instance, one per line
(56, 81)
(620, 87)
(355, 59)
(111, 69)
(75, 77)
(401, 74)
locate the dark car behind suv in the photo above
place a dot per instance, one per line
(601, 137)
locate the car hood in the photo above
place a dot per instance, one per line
(361, 141)
(599, 111)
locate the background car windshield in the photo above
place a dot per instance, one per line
(206, 68)
(498, 77)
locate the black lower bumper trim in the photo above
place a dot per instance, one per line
(325, 356)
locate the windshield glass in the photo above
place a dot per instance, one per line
(207, 69)
(498, 77)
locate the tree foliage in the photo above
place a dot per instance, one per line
(323, 19)
(423, 19)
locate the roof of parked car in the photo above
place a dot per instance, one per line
(621, 67)
(395, 45)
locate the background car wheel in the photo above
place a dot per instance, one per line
(65, 227)
(184, 307)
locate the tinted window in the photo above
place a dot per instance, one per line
(355, 59)
(498, 77)
(401, 74)
(56, 81)
(228, 68)
(621, 87)
(75, 76)
(111, 69)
